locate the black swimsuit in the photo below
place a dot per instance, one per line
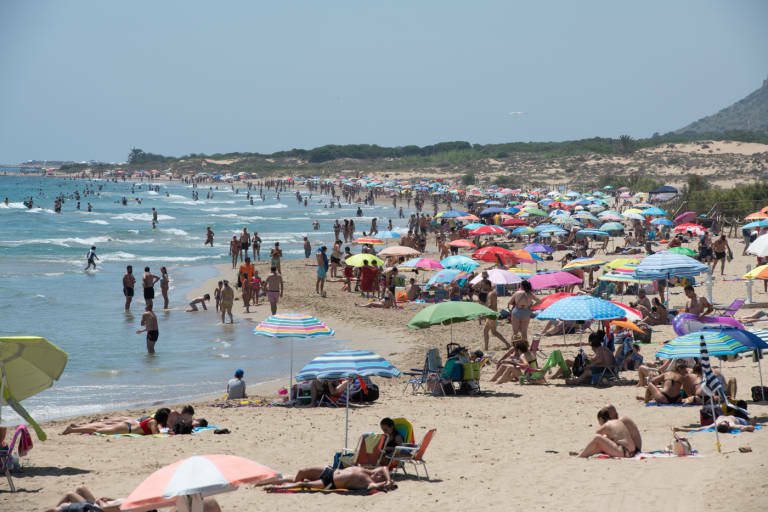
(327, 477)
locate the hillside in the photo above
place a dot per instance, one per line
(748, 114)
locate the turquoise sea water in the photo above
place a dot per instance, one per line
(44, 290)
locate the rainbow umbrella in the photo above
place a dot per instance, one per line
(292, 325)
(369, 240)
(583, 262)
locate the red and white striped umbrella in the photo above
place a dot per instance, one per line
(633, 315)
(695, 229)
(186, 482)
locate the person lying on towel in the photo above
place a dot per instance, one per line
(351, 478)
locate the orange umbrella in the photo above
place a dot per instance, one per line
(469, 217)
(757, 216)
(462, 243)
(627, 325)
(187, 481)
(495, 254)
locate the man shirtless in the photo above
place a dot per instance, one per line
(671, 384)
(149, 321)
(720, 248)
(234, 250)
(245, 243)
(612, 438)
(227, 299)
(129, 280)
(412, 291)
(352, 478)
(490, 323)
(274, 287)
(696, 305)
(148, 281)
(723, 424)
(634, 432)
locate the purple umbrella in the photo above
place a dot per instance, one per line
(553, 280)
(534, 248)
(685, 217)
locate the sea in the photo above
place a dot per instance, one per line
(44, 290)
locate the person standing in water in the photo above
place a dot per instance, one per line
(154, 217)
(148, 281)
(245, 243)
(256, 240)
(234, 250)
(129, 280)
(274, 286)
(164, 281)
(208, 237)
(91, 258)
(149, 321)
(276, 254)
(227, 299)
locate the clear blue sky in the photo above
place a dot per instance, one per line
(89, 79)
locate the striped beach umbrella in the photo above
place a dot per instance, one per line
(346, 364)
(663, 265)
(369, 240)
(689, 345)
(583, 262)
(292, 325)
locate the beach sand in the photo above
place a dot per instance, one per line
(508, 448)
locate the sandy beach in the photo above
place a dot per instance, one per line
(509, 445)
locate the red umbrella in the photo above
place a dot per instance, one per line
(488, 230)
(462, 243)
(513, 221)
(695, 229)
(495, 254)
(551, 299)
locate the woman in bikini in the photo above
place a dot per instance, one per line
(508, 367)
(519, 306)
(164, 281)
(143, 426)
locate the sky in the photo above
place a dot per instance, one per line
(90, 79)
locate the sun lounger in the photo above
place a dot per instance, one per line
(731, 310)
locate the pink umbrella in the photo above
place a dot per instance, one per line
(488, 230)
(499, 276)
(186, 482)
(685, 217)
(633, 315)
(553, 280)
(422, 263)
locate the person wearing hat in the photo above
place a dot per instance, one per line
(236, 386)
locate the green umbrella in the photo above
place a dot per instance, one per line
(357, 260)
(684, 251)
(28, 365)
(448, 313)
(535, 211)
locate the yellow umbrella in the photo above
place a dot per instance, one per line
(760, 272)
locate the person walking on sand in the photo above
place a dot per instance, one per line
(129, 280)
(148, 281)
(322, 269)
(256, 240)
(227, 299)
(208, 237)
(234, 250)
(245, 243)
(149, 321)
(91, 257)
(721, 250)
(275, 255)
(490, 322)
(274, 285)
(164, 281)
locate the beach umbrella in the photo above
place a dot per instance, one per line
(451, 214)
(356, 260)
(753, 339)
(449, 313)
(685, 217)
(654, 210)
(459, 262)
(491, 211)
(583, 262)
(663, 265)
(469, 217)
(611, 217)
(513, 221)
(760, 272)
(473, 225)
(718, 343)
(612, 226)
(591, 232)
(462, 243)
(620, 262)
(553, 280)
(756, 224)
(757, 216)
(488, 230)
(447, 275)
(347, 364)
(398, 250)
(618, 277)
(631, 314)
(582, 308)
(523, 230)
(535, 211)
(661, 221)
(694, 229)
(538, 248)
(292, 325)
(557, 213)
(387, 234)
(633, 215)
(551, 299)
(626, 324)
(28, 365)
(184, 483)
(368, 240)
(495, 254)
(499, 276)
(759, 247)
(683, 250)
(423, 263)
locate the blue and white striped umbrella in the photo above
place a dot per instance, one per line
(664, 265)
(343, 364)
(582, 307)
(718, 343)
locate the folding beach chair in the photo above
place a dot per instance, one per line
(6, 457)
(427, 375)
(532, 374)
(368, 452)
(412, 454)
(731, 310)
(405, 429)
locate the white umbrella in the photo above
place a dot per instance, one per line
(759, 247)
(499, 276)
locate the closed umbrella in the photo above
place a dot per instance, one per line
(347, 364)
(186, 482)
(459, 262)
(28, 365)
(292, 325)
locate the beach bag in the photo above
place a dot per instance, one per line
(681, 446)
(644, 337)
(758, 392)
(579, 363)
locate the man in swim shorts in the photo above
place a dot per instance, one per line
(227, 299)
(612, 438)
(91, 258)
(129, 280)
(351, 478)
(245, 243)
(148, 280)
(322, 269)
(149, 321)
(275, 254)
(274, 286)
(721, 249)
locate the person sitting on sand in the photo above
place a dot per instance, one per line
(351, 478)
(602, 358)
(634, 432)
(199, 300)
(329, 388)
(83, 500)
(236, 386)
(723, 424)
(671, 384)
(611, 438)
(508, 367)
(412, 291)
(144, 426)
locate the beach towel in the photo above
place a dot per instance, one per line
(656, 404)
(194, 431)
(351, 492)
(246, 403)
(25, 441)
(657, 454)
(732, 431)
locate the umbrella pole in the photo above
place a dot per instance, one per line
(346, 421)
(290, 377)
(759, 369)
(717, 434)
